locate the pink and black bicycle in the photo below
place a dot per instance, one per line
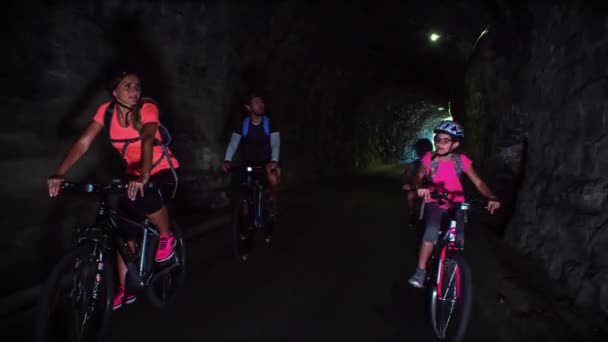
(448, 279)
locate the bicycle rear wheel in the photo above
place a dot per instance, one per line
(76, 301)
(242, 234)
(164, 288)
(270, 225)
(450, 297)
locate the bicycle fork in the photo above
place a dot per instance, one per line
(99, 271)
(258, 200)
(442, 261)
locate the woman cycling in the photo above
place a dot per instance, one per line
(131, 117)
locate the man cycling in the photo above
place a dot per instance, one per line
(261, 142)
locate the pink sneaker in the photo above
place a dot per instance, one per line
(120, 296)
(165, 248)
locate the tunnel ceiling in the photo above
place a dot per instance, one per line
(381, 40)
(198, 59)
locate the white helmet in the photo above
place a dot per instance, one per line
(450, 127)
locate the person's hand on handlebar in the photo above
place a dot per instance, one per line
(424, 193)
(225, 167)
(137, 186)
(54, 183)
(493, 204)
(271, 166)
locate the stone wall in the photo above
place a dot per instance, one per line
(537, 111)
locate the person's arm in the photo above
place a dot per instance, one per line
(275, 146)
(233, 145)
(479, 183)
(484, 189)
(148, 133)
(408, 177)
(78, 149)
(423, 193)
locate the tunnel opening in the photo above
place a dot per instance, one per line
(390, 121)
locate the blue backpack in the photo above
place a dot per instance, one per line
(265, 123)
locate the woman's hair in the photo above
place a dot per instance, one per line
(136, 110)
(136, 114)
(117, 78)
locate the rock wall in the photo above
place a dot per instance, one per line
(537, 116)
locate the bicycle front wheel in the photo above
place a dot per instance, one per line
(450, 297)
(76, 302)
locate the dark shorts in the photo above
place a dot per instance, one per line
(434, 217)
(152, 201)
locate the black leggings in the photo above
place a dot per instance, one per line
(152, 201)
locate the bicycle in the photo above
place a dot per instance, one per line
(448, 280)
(250, 214)
(76, 302)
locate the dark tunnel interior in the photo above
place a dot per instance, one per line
(352, 85)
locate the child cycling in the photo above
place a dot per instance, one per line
(442, 170)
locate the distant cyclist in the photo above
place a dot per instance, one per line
(261, 143)
(421, 147)
(443, 169)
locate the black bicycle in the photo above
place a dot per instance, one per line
(251, 212)
(77, 299)
(448, 280)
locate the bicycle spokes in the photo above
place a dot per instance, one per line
(445, 297)
(76, 299)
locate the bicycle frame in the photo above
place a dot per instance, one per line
(106, 234)
(447, 233)
(83, 282)
(449, 272)
(257, 187)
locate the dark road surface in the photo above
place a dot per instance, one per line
(337, 271)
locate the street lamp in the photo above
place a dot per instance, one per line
(434, 37)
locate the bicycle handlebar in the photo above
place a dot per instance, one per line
(443, 196)
(117, 185)
(247, 168)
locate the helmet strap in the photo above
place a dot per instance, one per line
(450, 150)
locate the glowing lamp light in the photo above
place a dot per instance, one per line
(434, 37)
(440, 108)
